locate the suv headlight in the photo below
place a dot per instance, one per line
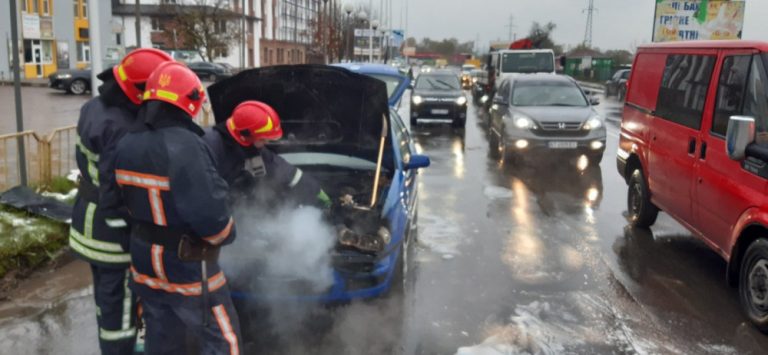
(593, 123)
(417, 99)
(523, 122)
(461, 100)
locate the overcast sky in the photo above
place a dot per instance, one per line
(618, 24)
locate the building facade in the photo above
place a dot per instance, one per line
(53, 34)
(288, 29)
(157, 29)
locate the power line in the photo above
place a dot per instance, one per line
(588, 31)
(511, 26)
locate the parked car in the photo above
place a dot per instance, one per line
(338, 128)
(438, 94)
(396, 81)
(618, 80)
(536, 113)
(479, 84)
(229, 67)
(694, 144)
(209, 71)
(73, 81)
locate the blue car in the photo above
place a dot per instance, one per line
(396, 82)
(339, 127)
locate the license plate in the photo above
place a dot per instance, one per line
(440, 112)
(563, 145)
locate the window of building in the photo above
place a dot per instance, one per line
(119, 39)
(46, 7)
(83, 52)
(684, 88)
(84, 8)
(169, 1)
(27, 51)
(220, 26)
(221, 52)
(23, 5)
(157, 25)
(730, 91)
(35, 7)
(76, 5)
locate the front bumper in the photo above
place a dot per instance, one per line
(357, 279)
(60, 84)
(579, 142)
(438, 110)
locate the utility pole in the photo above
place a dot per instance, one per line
(97, 63)
(511, 26)
(17, 93)
(588, 31)
(137, 14)
(242, 38)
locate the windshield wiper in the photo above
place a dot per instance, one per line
(446, 84)
(566, 105)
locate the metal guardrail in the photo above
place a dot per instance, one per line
(9, 159)
(60, 146)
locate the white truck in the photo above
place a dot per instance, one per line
(509, 61)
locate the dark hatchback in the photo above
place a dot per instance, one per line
(210, 71)
(539, 113)
(73, 81)
(438, 94)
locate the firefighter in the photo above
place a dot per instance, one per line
(243, 160)
(99, 240)
(166, 178)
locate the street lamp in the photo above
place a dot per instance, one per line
(373, 26)
(348, 8)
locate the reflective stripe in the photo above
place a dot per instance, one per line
(127, 302)
(157, 262)
(296, 178)
(266, 128)
(168, 95)
(116, 334)
(95, 244)
(215, 282)
(146, 181)
(121, 73)
(158, 213)
(222, 318)
(116, 222)
(221, 236)
(324, 199)
(88, 224)
(97, 255)
(93, 172)
(87, 152)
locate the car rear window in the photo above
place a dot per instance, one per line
(684, 88)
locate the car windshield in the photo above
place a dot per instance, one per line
(546, 93)
(528, 63)
(392, 82)
(438, 82)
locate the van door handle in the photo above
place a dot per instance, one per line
(703, 153)
(692, 146)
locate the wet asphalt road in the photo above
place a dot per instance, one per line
(44, 109)
(510, 259)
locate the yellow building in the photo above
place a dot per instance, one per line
(38, 38)
(82, 36)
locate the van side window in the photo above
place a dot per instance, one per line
(730, 91)
(756, 100)
(684, 87)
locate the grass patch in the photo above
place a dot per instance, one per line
(27, 241)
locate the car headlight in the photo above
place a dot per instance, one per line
(523, 122)
(461, 100)
(593, 123)
(417, 99)
(474, 80)
(63, 76)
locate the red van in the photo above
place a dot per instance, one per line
(694, 144)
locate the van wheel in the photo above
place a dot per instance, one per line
(642, 212)
(753, 284)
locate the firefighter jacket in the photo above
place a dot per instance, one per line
(94, 235)
(167, 179)
(261, 173)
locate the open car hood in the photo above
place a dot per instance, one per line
(322, 108)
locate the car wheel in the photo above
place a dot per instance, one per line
(642, 212)
(753, 284)
(77, 87)
(622, 93)
(495, 146)
(212, 78)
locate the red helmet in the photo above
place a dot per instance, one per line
(136, 67)
(174, 83)
(254, 120)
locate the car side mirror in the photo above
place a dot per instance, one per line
(417, 161)
(740, 134)
(594, 100)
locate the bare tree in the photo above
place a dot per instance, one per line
(209, 27)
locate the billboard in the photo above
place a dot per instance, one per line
(677, 20)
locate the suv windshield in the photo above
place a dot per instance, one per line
(437, 82)
(527, 63)
(544, 93)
